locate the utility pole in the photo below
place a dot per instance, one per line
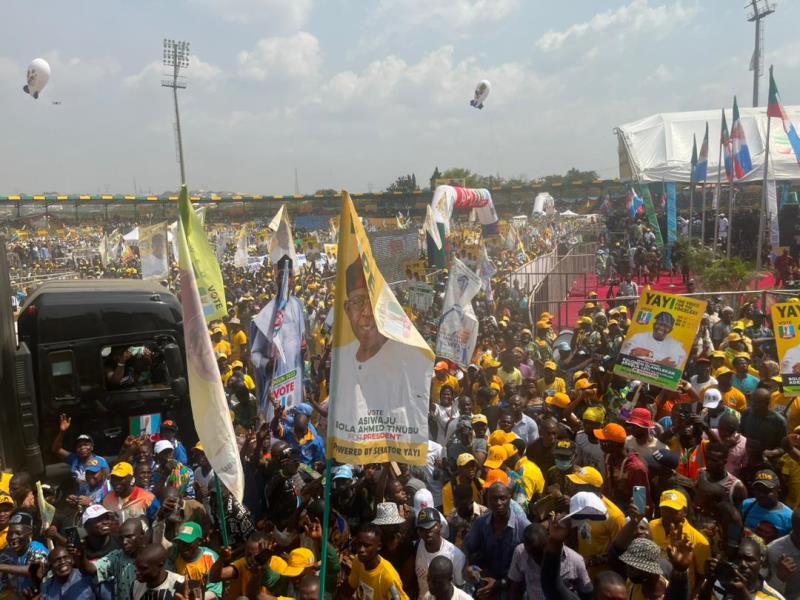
(760, 10)
(176, 56)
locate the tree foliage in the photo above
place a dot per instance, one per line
(404, 183)
(711, 269)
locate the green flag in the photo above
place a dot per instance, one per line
(651, 215)
(204, 261)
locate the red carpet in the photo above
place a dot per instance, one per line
(582, 285)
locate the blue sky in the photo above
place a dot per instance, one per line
(353, 93)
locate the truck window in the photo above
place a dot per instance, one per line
(134, 366)
(62, 377)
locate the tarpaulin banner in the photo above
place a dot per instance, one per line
(458, 327)
(153, 251)
(672, 213)
(650, 210)
(786, 323)
(448, 197)
(212, 418)
(203, 259)
(381, 366)
(660, 338)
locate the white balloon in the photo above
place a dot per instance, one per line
(481, 93)
(38, 76)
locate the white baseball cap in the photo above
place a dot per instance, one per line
(587, 505)
(92, 512)
(162, 445)
(711, 398)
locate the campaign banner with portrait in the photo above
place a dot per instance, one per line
(381, 366)
(458, 325)
(660, 338)
(153, 251)
(786, 323)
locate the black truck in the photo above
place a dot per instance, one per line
(107, 353)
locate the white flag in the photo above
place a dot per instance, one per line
(104, 251)
(212, 418)
(282, 241)
(153, 251)
(431, 228)
(240, 258)
(772, 214)
(458, 327)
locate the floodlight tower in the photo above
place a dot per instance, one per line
(176, 56)
(759, 9)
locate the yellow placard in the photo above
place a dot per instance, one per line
(660, 338)
(786, 324)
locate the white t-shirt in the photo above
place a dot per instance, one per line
(435, 451)
(166, 591)
(457, 595)
(659, 350)
(424, 559)
(699, 387)
(443, 417)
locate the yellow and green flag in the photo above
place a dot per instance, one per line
(204, 261)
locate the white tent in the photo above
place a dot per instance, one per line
(659, 148)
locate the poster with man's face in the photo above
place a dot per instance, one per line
(660, 338)
(786, 324)
(381, 367)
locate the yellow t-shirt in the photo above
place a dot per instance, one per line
(223, 347)
(448, 499)
(793, 416)
(532, 477)
(3, 541)
(5, 479)
(702, 549)
(790, 470)
(602, 532)
(238, 344)
(436, 386)
(735, 399)
(513, 378)
(558, 385)
(381, 583)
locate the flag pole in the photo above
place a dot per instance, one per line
(691, 202)
(223, 525)
(717, 190)
(730, 215)
(703, 213)
(762, 208)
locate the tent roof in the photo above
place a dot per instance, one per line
(659, 147)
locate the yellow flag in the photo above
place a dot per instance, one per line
(382, 367)
(204, 261)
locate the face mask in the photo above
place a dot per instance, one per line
(563, 465)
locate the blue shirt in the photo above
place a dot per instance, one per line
(493, 553)
(35, 552)
(758, 519)
(180, 453)
(746, 385)
(311, 447)
(78, 467)
(76, 587)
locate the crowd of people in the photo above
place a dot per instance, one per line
(547, 475)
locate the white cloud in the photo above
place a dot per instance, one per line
(453, 14)
(296, 57)
(661, 74)
(152, 74)
(436, 81)
(80, 71)
(637, 16)
(287, 14)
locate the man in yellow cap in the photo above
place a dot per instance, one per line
(673, 505)
(731, 397)
(594, 545)
(219, 343)
(549, 383)
(127, 499)
(6, 509)
(490, 366)
(589, 453)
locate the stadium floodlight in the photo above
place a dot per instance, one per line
(176, 57)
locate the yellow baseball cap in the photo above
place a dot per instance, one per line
(464, 459)
(595, 414)
(479, 418)
(673, 499)
(559, 399)
(498, 438)
(510, 449)
(623, 310)
(497, 456)
(122, 469)
(578, 375)
(6, 499)
(587, 476)
(585, 321)
(488, 362)
(718, 354)
(723, 370)
(584, 384)
(551, 365)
